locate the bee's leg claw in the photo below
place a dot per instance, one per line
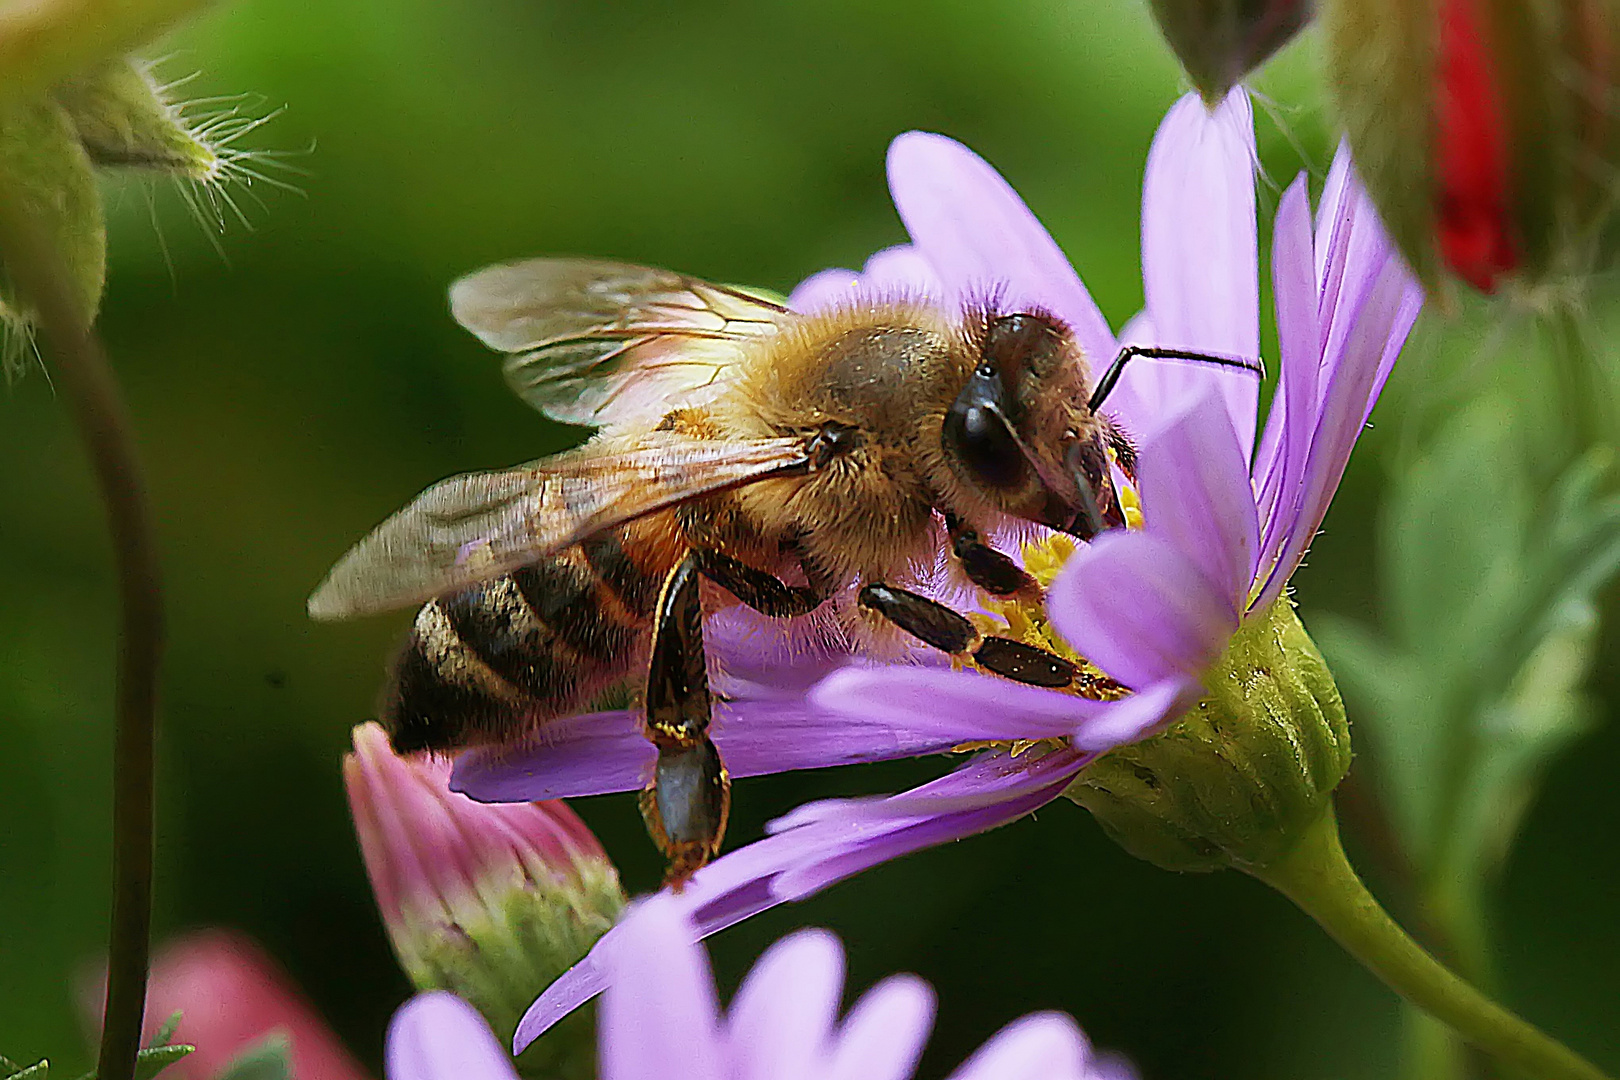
(687, 804)
(935, 624)
(988, 568)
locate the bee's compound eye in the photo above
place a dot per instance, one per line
(977, 435)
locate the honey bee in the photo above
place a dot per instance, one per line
(742, 443)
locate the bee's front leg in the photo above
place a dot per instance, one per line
(989, 569)
(689, 799)
(934, 624)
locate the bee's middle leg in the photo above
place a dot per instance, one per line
(687, 804)
(764, 592)
(934, 624)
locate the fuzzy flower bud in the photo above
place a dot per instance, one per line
(1238, 780)
(1220, 41)
(1484, 129)
(124, 118)
(492, 902)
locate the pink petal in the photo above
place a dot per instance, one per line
(981, 239)
(884, 1034)
(781, 1021)
(826, 289)
(659, 1018)
(437, 1036)
(1140, 609)
(1199, 253)
(607, 752)
(1040, 1046)
(1196, 494)
(1299, 338)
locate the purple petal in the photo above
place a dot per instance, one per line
(1299, 337)
(437, 1036)
(1140, 609)
(1040, 1046)
(577, 985)
(1200, 269)
(1196, 494)
(780, 1023)
(827, 289)
(1383, 319)
(825, 842)
(659, 1018)
(605, 752)
(901, 270)
(1111, 1065)
(964, 706)
(883, 1036)
(1139, 715)
(981, 239)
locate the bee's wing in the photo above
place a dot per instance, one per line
(604, 343)
(473, 528)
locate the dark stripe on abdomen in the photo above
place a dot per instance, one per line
(495, 622)
(614, 568)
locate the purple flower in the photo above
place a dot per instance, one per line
(661, 1020)
(1226, 523)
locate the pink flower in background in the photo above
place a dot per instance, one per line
(233, 996)
(661, 1020)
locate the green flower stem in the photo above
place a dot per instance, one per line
(1317, 876)
(43, 42)
(92, 392)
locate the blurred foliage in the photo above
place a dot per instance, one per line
(302, 380)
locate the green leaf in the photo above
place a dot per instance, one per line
(10, 1070)
(1489, 575)
(150, 1062)
(165, 1034)
(268, 1059)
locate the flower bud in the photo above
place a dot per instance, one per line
(1483, 129)
(492, 902)
(1238, 780)
(44, 168)
(231, 997)
(123, 118)
(1220, 41)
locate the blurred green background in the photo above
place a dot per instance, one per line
(295, 386)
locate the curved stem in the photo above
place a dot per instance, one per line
(1317, 876)
(103, 421)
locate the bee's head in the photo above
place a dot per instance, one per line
(1020, 432)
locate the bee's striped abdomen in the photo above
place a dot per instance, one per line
(490, 663)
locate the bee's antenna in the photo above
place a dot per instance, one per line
(1110, 379)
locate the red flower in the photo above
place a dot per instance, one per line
(1471, 152)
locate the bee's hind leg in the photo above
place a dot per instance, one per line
(934, 624)
(687, 803)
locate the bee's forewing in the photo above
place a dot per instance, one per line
(473, 528)
(604, 344)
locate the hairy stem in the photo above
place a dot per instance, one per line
(1317, 876)
(92, 392)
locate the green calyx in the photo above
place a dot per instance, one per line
(502, 951)
(1240, 778)
(124, 120)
